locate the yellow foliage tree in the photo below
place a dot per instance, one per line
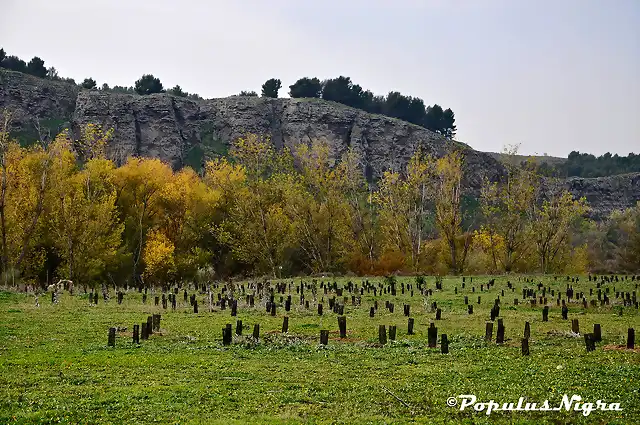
(139, 184)
(158, 258)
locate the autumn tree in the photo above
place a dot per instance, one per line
(318, 209)
(139, 184)
(158, 257)
(507, 207)
(82, 215)
(187, 206)
(256, 227)
(364, 240)
(405, 209)
(447, 194)
(553, 221)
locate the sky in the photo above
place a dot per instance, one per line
(553, 76)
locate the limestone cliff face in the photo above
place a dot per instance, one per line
(184, 132)
(174, 128)
(606, 194)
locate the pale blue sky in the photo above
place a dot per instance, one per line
(555, 76)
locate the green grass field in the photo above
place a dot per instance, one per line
(56, 367)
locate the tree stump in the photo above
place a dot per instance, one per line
(111, 342)
(410, 326)
(545, 314)
(444, 344)
(145, 331)
(256, 332)
(597, 332)
(527, 330)
(319, 309)
(342, 324)
(392, 332)
(488, 334)
(631, 338)
(432, 335)
(575, 326)
(285, 324)
(156, 322)
(239, 327)
(500, 332)
(136, 334)
(324, 337)
(525, 346)
(590, 342)
(438, 314)
(382, 334)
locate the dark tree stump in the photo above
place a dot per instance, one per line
(195, 306)
(324, 337)
(285, 324)
(392, 332)
(372, 312)
(156, 322)
(145, 331)
(382, 334)
(527, 330)
(590, 342)
(470, 309)
(597, 332)
(150, 325)
(575, 326)
(631, 338)
(565, 312)
(438, 314)
(111, 342)
(545, 314)
(319, 309)
(342, 324)
(500, 332)
(136, 334)
(432, 335)
(488, 333)
(410, 326)
(525, 346)
(256, 332)
(238, 327)
(444, 344)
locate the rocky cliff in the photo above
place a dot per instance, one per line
(184, 132)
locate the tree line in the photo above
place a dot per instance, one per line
(341, 90)
(588, 165)
(66, 211)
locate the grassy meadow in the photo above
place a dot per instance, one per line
(56, 367)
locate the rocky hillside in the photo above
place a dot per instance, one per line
(184, 132)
